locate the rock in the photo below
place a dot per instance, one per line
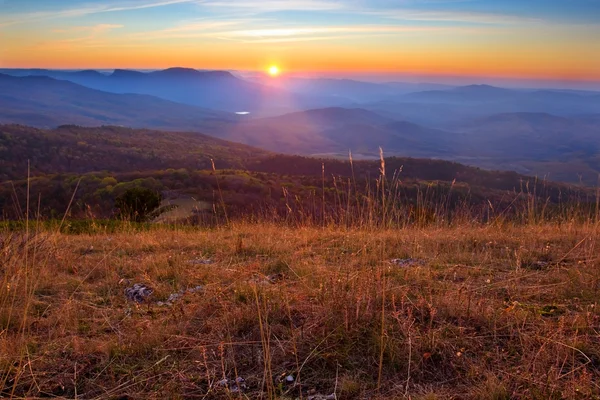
(223, 382)
(239, 385)
(138, 293)
(234, 386)
(174, 297)
(198, 288)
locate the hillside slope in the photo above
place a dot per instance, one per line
(99, 164)
(73, 149)
(337, 130)
(76, 150)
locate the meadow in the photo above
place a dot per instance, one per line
(467, 310)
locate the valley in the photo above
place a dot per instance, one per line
(551, 134)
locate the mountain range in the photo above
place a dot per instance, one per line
(46, 102)
(219, 90)
(537, 132)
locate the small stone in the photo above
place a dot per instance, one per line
(174, 297)
(138, 293)
(234, 386)
(407, 262)
(223, 382)
(198, 288)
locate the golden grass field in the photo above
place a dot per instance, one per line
(483, 312)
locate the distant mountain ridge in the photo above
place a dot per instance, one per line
(218, 90)
(536, 132)
(445, 108)
(46, 102)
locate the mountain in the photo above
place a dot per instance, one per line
(409, 87)
(349, 92)
(535, 136)
(466, 127)
(444, 108)
(539, 144)
(301, 132)
(464, 94)
(486, 93)
(74, 149)
(45, 102)
(593, 119)
(91, 167)
(334, 131)
(219, 90)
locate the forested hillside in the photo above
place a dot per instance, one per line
(96, 165)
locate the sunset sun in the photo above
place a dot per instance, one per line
(274, 70)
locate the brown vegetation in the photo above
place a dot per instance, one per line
(485, 312)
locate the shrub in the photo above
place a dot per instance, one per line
(138, 204)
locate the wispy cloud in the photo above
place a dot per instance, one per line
(312, 30)
(276, 34)
(13, 19)
(452, 16)
(331, 33)
(278, 5)
(95, 29)
(401, 10)
(81, 36)
(194, 29)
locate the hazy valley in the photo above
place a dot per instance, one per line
(552, 134)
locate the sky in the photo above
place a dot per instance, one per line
(550, 40)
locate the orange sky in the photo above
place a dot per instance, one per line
(79, 36)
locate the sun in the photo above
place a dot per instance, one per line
(274, 70)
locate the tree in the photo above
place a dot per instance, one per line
(137, 204)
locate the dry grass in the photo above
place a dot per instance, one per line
(492, 313)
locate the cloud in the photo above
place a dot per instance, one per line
(289, 34)
(312, 30)
(346, 32)
(84, 10)
(278, 5)
(81, 36)
(453, 16)
(195, 29)
(95, 29)
(204, 26)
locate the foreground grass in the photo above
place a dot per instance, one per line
(485, 313)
